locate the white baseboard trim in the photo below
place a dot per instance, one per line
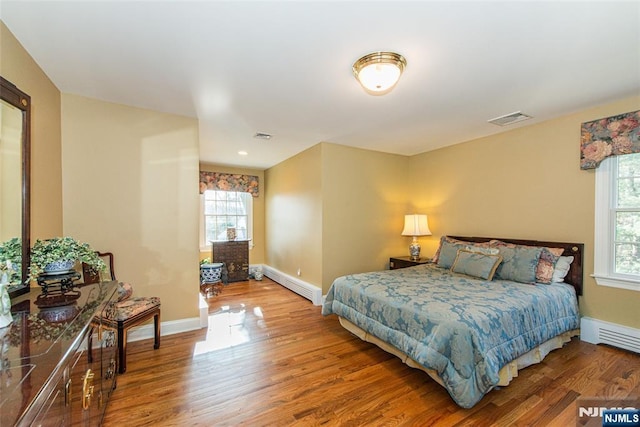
(307, 290)
(302, 288)
(203, 307)
(166, 328)
(596, 331)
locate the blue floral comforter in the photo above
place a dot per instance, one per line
(464, 328)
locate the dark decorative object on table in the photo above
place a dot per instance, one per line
(58, 306)
(62, 282)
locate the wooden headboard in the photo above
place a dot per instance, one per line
(576, 250)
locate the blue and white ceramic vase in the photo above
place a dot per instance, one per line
(59, 267)
(210, 273)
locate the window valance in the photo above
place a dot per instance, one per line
(229, 182)
(611, 136)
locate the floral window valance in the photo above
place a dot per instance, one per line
(229, 182)
(611, 136)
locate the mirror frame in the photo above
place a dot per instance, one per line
(14, 96)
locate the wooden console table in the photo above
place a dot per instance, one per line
(46, 376)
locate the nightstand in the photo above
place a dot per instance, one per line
(405, 261)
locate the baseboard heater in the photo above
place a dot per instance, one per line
(300, 287)
(597, 331)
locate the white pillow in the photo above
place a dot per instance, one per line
(561, 268)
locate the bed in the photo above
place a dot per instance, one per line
(473, 317)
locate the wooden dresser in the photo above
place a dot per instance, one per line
(235, 257)
(47, 379)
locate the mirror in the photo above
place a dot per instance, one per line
(15, 158)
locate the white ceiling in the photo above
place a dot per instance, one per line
(284, 68)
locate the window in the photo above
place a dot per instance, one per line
(617, 233)
(222, 210)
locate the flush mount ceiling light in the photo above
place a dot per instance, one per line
(378, 72)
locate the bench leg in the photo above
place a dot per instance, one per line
(122, 349)
(156, 328)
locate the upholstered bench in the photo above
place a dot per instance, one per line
(122, 315)
(125, 313)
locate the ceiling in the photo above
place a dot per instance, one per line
(284, 68)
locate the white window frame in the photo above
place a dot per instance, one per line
(206, 246)
(606, 189)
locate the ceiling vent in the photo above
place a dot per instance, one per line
(261, 135)
(508, 119)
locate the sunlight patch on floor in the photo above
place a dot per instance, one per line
(227, 328)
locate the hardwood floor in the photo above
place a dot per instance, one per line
(269, 358)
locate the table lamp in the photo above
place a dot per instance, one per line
(415, 225)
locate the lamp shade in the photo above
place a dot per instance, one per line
(379, 72)
(416, 225)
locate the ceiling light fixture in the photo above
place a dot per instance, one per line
(243, 153)
(378, 72)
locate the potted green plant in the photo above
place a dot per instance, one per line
(11, 260)
(60, 254)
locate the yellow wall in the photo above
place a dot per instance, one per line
(17, 66)
(334, 210)
(131, 188)
(256, 252)
(525, 183)
(365, 197)
(293, 232)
